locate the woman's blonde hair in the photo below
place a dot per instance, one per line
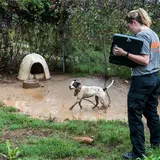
(139, 15)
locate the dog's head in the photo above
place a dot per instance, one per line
(74, 85)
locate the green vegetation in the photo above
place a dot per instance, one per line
(33, 139)
(71, 35)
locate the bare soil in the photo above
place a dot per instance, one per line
(53, 99)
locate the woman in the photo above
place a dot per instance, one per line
(143, 92)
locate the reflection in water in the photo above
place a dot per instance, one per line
(81, 114)
(89, 115)
(18, 104)
(37, 93)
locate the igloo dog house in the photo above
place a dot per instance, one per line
(33, 66)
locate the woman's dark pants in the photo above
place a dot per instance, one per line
(143, 100)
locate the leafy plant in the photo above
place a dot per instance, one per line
(152, 157)
(13, 153)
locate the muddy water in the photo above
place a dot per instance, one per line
(54, 99)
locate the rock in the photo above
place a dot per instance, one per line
(87, 140)
(42, 85)
(126, 81)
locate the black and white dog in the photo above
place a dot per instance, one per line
(83, 92)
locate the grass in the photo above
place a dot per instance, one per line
(38, 139)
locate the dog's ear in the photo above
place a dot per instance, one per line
(78, 84)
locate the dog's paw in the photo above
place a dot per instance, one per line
(94, 107)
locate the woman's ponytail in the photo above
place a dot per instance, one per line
(146, 20)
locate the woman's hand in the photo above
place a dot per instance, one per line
(119, 51)
(142, 59)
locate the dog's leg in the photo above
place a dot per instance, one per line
(97, 102)
(104, 104)
(80, 104)
(109, 99)
(78, 101)
(73, 105)
(105, 107)
(89, 101)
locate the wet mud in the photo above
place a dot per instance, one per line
(53, 100)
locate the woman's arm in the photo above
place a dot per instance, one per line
(142, 59)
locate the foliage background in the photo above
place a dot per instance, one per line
(73, 36)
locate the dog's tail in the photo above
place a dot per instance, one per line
(108, 86)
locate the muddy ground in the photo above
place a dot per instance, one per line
(53, 99)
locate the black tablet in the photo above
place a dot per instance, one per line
(130, 44)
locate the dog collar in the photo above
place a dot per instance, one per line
(77, 90)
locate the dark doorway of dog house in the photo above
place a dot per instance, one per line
(37, 68)
(37, 71)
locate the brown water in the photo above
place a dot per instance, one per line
(54, 99)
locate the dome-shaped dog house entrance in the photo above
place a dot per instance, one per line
(33, 66)
(37, 71)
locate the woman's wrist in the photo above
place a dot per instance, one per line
(126, 55)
